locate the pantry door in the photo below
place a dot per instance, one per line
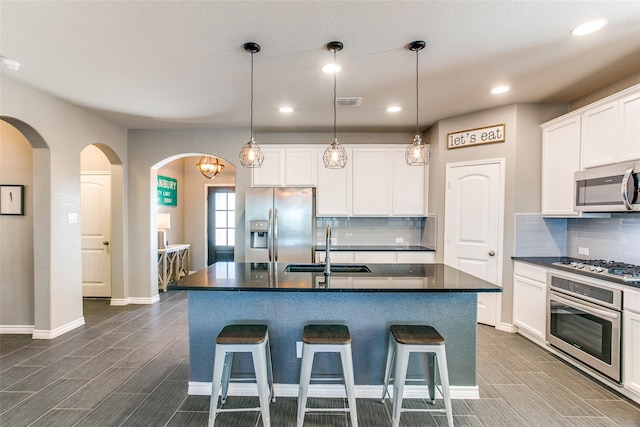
(474, 219)
(95, 216)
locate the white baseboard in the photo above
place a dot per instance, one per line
(43, 334)
(332, 390)
(135, 300)
(16, 329)
(507, 327)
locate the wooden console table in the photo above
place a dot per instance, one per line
(173, 263)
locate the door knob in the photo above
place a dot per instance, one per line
(492, 253)
(106, 243)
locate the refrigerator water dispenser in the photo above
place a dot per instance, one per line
(259, 231)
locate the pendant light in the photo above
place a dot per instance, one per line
(417, 153)
(335, 156)
(250, 154)
(208, 167)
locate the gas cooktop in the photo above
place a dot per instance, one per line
(628, 273)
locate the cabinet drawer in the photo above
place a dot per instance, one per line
(532, 272)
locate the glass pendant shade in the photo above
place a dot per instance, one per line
(250, 155)
(335, 156)
(209, 166)
(417, 153)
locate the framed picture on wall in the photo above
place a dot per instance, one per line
(11, 199)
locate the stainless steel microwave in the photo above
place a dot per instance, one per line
(611, 188)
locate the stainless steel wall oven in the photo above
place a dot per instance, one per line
(584, 321)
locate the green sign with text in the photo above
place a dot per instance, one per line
(167, 191)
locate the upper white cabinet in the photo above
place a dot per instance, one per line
(300, 167)
(599, 129)
(271, 173)
(630, 127)
(333, 194)
(408, 186)
(560, 160)
(376, 180)
(291, 166)
(371, 181)
(611, 129)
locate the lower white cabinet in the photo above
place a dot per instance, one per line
(631, 341)
(530, 299)
(379, 257)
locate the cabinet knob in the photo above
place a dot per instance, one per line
(492, 253)
(106, 243)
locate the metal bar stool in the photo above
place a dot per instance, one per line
(326, 339)
(407, 339)
(252, 339)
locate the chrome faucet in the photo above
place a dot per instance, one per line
(327, 258)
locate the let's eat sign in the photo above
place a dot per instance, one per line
(470, 137)
(167, 191)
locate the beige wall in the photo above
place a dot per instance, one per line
(58, 132)
(522, 153)
(16, 232)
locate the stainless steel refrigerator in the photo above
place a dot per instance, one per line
(280, 224)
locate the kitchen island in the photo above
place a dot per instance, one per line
(367, 302)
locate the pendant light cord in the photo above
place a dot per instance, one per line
(251, 121)
(417, 91)
(335, 71)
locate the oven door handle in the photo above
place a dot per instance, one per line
(590, 310)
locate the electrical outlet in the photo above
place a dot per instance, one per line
(334, 240)
(583, 251)
(299, 349)
(399, 239)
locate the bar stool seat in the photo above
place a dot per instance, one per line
(252, 339)
(326, 339)
(407, 339)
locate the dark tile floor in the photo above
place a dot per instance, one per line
(129, 366)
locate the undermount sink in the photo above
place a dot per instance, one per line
(319, 268)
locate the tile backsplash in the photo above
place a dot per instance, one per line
(369, 231)
(538, 236)
(616, 238)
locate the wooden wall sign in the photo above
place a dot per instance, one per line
(470, 137)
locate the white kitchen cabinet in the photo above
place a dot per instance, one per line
(416, 257)
(560, 160)
(631, 341)
(371, 182)
(611, 129)
(630, 127)
(342, 257)
(333, 193)
(292, 166)
(530, 300)
(271, 173)
(408, 185)
(599, 133)
(375, 257)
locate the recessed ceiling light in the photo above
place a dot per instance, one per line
(9, 64)
(286, 110)
(331, 68)
(589, 27)
(394, 109)
(500, 89)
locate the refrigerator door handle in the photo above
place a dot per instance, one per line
(275, 237)
(270, 236)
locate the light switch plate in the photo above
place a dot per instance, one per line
(399, 239)
(583, 251)
(299, 349)
(72, 218)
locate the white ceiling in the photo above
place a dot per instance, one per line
(170, 64)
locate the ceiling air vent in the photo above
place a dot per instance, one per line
(352, 101)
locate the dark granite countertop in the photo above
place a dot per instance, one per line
(240, 276)
(376, 248)
(547, 262)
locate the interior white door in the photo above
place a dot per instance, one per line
(95, 212)
(473, 226)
